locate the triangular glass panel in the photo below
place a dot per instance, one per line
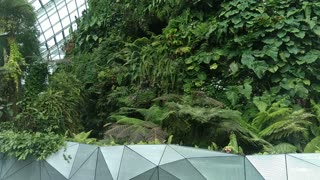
(102, 170)
(270, 166)
(50, 173)
(7, 164)
(164, 175)
(113, 155)
(170, 155)
(313, 158)
(151, 152)
(155, 175)
(29, 172)
(87, 169)
(133, 164)
(146, 175)
(300, 169)
(17, 166)
(64, 158)
(251, 172)
(220, 167)
(183, 169)
(83, 153)
(189, 152)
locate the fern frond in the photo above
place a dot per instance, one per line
(283, 148)
(285, 128)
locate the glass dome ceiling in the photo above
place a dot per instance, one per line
(55, 20)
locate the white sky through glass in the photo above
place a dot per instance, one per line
(54, 19)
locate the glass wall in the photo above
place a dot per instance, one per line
(56, 18)
(159, 162)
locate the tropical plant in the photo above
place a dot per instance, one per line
(284, 124)
(135, 130)
(23, 145)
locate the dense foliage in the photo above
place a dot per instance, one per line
(233, 75)
(201, 71)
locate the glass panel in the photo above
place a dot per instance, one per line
(50, 173)
(189, 152)
(183, 170)
(251, 172)
(7, 164)
(164, 175)
(54, 19)
(18, 165)
(51, 10)
(312, 158)
(51, 42)
(45, 24)
(220, 168)
(59, 162)
(151, 152)
(84, 152)
(72, 6)
(146, 175)
(299, 169)
(155, 175)
(170, 155)
(29, 172)
(102, 170)
(59, 37)
(270, 166)
(87, 170)
(48, 34)
(133, 164)
(65, 21)
(45, 1)
(73, 16)
(112, 156)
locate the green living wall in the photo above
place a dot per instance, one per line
(239, 76)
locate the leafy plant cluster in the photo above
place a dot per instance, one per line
(24, 145)
(206, 73)
(238, 76)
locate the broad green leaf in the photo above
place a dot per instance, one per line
(316, 30)
(310, 57)
(273, 69)
(300, 34)
(271, 51)
(269, 40)
(283, 148)
(188, 60)
(293, 30)
(306, 82)
(313, 145)
(202, 76)
(284, 55)
(246, 89)
(234, 67)
(214, 66)
(259, 68)
(232, 96)
(293, 49)
(190, 67)
(281, 34)
(261, 105)
(95, 37)
(247, 59)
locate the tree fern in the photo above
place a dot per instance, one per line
(294, 124)
(135, 130)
